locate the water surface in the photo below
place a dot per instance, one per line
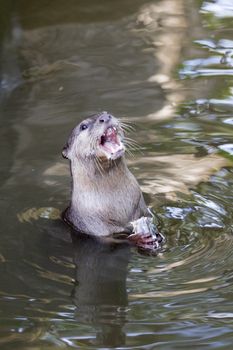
(167, 66)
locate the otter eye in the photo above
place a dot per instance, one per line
(83, 127)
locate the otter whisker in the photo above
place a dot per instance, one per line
(132, 145)
(128, 139)
(127, 127)
(130, 153)
(115, 163)
(95, 158)
(93, 145)
(126, 120)
(135, 150)
(99, 166)
(98, 162)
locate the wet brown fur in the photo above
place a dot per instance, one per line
(105, 195)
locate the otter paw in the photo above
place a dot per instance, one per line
(146, 235)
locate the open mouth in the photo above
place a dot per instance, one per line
(110, 143)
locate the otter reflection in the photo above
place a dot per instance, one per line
(100, 289)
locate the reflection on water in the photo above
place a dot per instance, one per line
(100, 289)
(219, 8)
(167, 65)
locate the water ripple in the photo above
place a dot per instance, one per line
(219, 8)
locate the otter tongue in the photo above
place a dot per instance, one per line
(111, 143)
(111, 147)
(111, 135)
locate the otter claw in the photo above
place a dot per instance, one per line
(145, 234)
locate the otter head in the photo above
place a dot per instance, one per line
(99, 137)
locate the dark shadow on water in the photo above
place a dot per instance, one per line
(100, 293)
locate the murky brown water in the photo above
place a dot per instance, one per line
(167, 65)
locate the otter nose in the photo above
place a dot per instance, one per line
(104, 118)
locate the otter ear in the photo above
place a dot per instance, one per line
(65, 151)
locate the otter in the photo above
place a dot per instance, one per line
(106, 198)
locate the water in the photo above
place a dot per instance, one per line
(167, 66)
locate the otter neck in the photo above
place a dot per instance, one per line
(88, 173)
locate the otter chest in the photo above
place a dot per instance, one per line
(117, 203)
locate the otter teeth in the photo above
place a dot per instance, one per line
(111, 143)
(110, 135)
